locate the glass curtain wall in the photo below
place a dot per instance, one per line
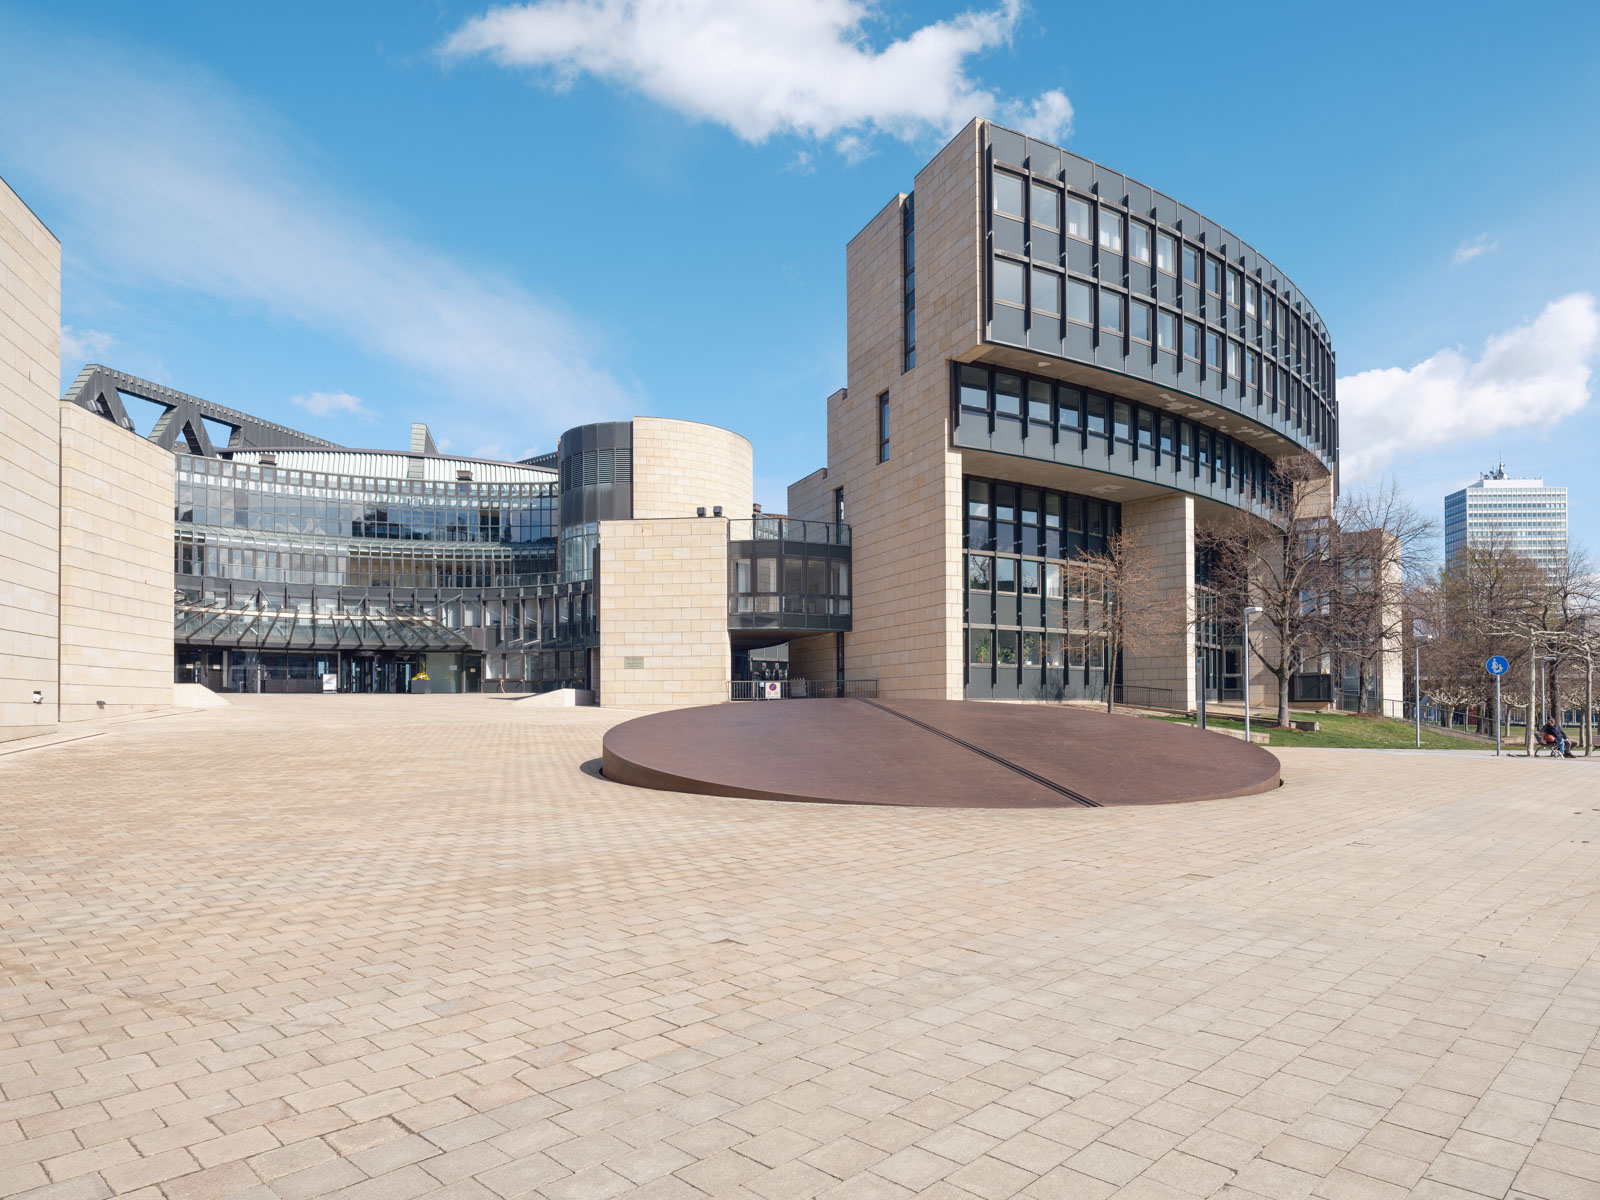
(1034, 624)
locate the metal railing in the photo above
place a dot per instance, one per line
(1139, 696)
(803, 689)
(787, 529)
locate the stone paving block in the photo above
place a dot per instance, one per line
(352, 965)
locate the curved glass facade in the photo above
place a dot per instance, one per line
(287, 575)
(1095, 268)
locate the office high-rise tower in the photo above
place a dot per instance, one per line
(1522, 514)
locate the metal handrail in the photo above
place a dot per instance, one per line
(803, 689)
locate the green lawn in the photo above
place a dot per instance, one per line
(1342, 730)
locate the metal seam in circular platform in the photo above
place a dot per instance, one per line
(932, 754)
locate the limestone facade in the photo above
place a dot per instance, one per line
(679, 466)
(116, 569)
(904, 513)
(662, 593)
(30, 357)
(1164, 526)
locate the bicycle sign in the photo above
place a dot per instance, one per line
(1497, 666)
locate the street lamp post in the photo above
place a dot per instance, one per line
(1416, 670)
(1249, 610)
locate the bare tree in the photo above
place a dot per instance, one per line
(1289, 573)
(1128, 600)
(1375, 544)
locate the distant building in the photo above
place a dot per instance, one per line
(1522, 514)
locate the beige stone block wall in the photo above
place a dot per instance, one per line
(663, 597)
(813, 658)
(30, 368)
(1164, 526)
(679, 466)
(116, 569)
(905, 514)
(811, 498)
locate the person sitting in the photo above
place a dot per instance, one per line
(1551, 734)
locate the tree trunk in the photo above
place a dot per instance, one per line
(1283, 698)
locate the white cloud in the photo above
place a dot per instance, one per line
(159, 179)
(1536, 374)
(323, 404)
(80, 346)
(765, 67)
(1473, 248)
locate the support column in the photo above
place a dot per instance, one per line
(1165, 527)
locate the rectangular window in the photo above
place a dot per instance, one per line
(1166, 253)
(1005, 576)
(1266, 314)
(980, 573)
(1007, 395)
(1069, 411)
(1052, 572)
(1169, 438)
(1110, 231)
(1080, 302)
(1167, 331)
(1122, 420)
(1030, 578)
(1139, 242)
(1191, 340)
(1039, 402)
(1078, 219)
(1139, 320)
(1046, 206)
(1095, 415)
(1147, 432)
(1186, 441)
(1252, 368)
(1233, 360)
(1110, 311)
(883, 427)
(1213, 351)
(1008, 194)
(1008, 282)
(1213, 277)
(1046, 292)
(1191, 265)
(1252, 299)
(974, 384)
(1235, 287)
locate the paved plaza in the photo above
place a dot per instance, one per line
(414, 946)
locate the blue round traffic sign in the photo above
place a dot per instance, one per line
(1497, 666)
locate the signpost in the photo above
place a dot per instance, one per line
(1497, 667)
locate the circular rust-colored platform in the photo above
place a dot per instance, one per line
(932, 754)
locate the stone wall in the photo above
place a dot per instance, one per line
(116, 569)
(30, 367)
(679, 466)
(1164, 657)
(663, 598)
(905, 514)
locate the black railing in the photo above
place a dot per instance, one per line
(1139, 696)
(803, 689)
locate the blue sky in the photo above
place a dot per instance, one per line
(510, 221)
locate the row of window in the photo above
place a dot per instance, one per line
(1041, 205)
(1035, 521)
(445, 519)
(1057, 413)
(194, 466)
(909, 270)
(1242, 367)
(267, 562)
(1031, 648)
